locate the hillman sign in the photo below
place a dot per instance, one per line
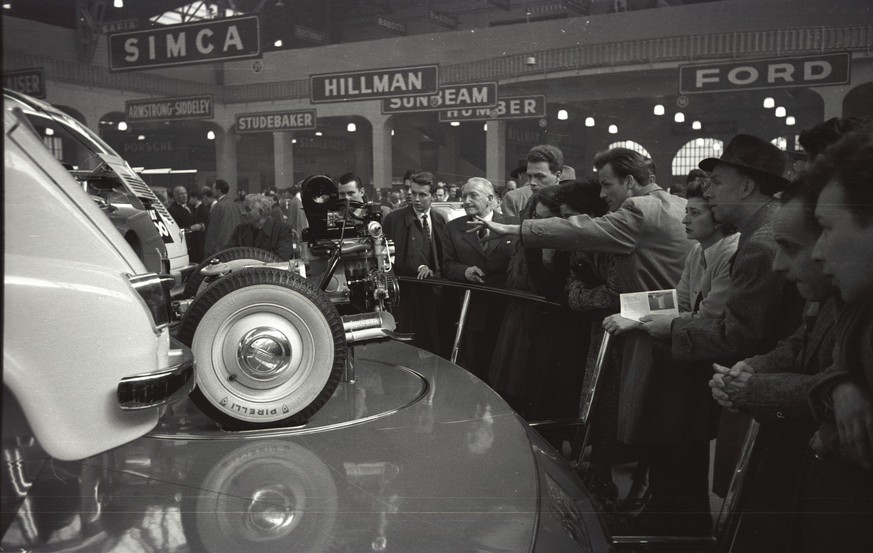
(378, 83)
(475, 95)
(825, 69)
(276, 121)
(509, 107)
(215, 40)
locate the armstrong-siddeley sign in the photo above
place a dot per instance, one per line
(378, 83)
(824, 69)
(169, 109)
(215, 40)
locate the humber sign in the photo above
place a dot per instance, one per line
(215, 40)
(378, 83)
(169, 109)
(276, 121)
(824, 69)
(508, 107)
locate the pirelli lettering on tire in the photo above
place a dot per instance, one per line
(254, 411)
(276, 121)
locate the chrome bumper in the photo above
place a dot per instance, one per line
(160, 388)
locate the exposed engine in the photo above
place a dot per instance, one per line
(346, 249)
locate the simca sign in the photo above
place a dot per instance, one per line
(26, 81)
(169, 109)
(509, 107)
(368, 85)
(215, 40)
(482, 95)
(825, 69)
(276, 121)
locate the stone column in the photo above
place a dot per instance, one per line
(382, 155)
(833, 99)
(495, 153)
(225, 154)
(283, 159)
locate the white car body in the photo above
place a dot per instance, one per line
(173, 237)
(77, 334)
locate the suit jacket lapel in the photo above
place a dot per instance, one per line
(473, 239)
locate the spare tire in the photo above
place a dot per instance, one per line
(269, 349)
(237, 258)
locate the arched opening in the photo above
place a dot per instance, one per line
(690, 154)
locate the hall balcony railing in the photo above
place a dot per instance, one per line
(665, 50)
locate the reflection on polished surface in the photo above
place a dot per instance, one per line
(351, 403)
(400, 460)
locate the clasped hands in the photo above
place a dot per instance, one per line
(730, 385)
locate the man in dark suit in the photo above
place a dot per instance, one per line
(224, 216)
(467, 259)
(417, 232)
(184, 217)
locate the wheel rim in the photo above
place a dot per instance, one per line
(287, 339)
(268, 353)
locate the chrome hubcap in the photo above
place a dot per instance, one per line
(263, 353)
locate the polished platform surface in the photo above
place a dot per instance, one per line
(416, 455)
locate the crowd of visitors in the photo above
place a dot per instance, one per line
(772, 263)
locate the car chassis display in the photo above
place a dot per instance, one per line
(269, 342)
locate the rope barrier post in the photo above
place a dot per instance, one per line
(462, 319)
(590, 393)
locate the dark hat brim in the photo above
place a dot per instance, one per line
(710, 163)
(517, 172)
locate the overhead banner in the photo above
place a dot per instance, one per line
(169, 109)
(391, 25)
(119, 26)
(310, 35)
(378, 83)
(26, 81)
(508, 107)
(214, 40)
(824, 69)
(276, 121)
(483, 95)
(442, 18)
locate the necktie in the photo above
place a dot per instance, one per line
(425, 227)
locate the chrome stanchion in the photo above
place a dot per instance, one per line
(462, 319)
(590, 393)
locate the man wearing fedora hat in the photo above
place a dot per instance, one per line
(762, 306)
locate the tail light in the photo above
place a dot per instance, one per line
(154, 290)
